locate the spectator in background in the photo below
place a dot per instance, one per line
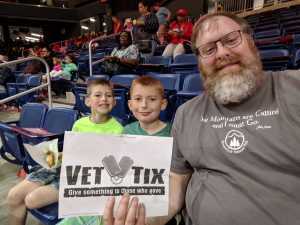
(163, 14)
(122, 59)
(6, 75)
(60, 86)
(180, 31)
(117, 24)
(145, 27)
(46, 54)
(108, 22)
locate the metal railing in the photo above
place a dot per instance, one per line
(245, 7)
(48, 84)
(90, 50)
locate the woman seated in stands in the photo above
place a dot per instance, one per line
(180, 31)
(60, 86)
(122, 59)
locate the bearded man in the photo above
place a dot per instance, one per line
(236, 155)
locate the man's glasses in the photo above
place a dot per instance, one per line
(230, 40)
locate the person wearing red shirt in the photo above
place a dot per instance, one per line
(179, 32)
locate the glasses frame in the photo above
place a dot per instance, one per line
(223, 42)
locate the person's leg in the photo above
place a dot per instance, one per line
(169, 50)
(161, 33)
(15, 200)
(42, 196)
(179, 50)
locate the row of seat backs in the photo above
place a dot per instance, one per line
(23, 83)
(280, 59)
(275, 16)
(34, 115)
(55, 120)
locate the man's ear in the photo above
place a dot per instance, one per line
(164, 104)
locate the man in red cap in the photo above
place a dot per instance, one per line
(180, 31)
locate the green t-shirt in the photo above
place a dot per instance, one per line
(135, 128)
(112, 126)
(67, 69)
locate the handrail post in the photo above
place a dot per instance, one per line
(90, 48)
(2, 101)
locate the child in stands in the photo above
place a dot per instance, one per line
(146, 102)
(57, 67)
(40, 188)
(61, 86)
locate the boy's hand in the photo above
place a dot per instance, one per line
(127, 213)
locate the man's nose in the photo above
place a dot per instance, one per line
(222, 51)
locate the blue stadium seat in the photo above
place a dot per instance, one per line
(12, 149)
(296, 59)
(185, 63)
(268, 33)
(59, 120)
(123, 79)
(155, 63)
(22, 84)
(192, 86)
(159, 60)
(261, 28)
(32, 115)
(48, 215)
(275, 59)
(169, 81)
(80, 93)
(99, 76)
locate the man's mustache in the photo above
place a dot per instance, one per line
(224, 63)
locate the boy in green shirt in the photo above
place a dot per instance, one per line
(101, 101)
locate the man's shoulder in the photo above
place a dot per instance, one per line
(289, 74)
(288, 80)
(195, 102)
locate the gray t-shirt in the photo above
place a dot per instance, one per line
(245, 159)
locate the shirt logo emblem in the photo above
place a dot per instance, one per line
(234, 142)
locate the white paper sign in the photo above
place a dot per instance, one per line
(97, 166)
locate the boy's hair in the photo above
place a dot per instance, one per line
(150, 82)
(95, 82)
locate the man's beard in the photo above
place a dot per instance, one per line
(234, 87)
